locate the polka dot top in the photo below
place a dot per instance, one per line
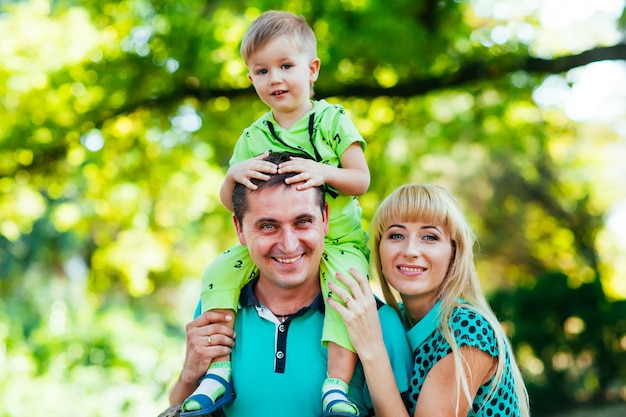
(470, 329)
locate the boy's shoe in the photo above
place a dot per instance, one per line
(207, 404)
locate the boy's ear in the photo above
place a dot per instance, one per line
(314, 69)
(250, 78)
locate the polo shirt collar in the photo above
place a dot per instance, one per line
(248, 298)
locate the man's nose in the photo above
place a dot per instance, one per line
(289, 240)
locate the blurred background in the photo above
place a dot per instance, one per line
(117, 120)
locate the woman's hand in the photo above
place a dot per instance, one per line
(359, 312)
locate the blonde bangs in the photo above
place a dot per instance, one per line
(411, 204)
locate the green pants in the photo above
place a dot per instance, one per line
(230, 271)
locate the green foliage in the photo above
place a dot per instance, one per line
(118, 119)
(65, 357)
(569, 338)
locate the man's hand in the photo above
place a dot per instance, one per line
(207, 338)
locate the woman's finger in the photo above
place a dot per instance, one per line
(358, 275)
(340, 308)
(363, 281)
(339, 292)
(347, 281)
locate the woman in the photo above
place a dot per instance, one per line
(422, 247)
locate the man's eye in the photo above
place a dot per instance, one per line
(267, 226)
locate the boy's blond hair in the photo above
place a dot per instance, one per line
(273, 24)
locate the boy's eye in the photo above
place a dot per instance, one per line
(262, 71)
(286, 66)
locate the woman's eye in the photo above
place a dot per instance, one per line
(395, 236)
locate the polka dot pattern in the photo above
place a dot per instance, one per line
(469, 329)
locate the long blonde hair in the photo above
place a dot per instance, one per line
(431, 203)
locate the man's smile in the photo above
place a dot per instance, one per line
(288, 260)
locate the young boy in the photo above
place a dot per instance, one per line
(279, 50)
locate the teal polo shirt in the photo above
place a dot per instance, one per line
(279, 368)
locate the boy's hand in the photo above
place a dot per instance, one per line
(257, 168)
(310, 173)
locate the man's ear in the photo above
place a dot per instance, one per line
(239, 229)
(325, 219)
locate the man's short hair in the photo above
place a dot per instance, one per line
(241, 193)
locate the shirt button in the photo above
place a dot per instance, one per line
(280, 354)
(281, 328)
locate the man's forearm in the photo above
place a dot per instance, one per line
(181, 391)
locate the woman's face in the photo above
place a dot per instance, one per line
(415, 258)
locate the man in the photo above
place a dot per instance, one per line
(279, 362)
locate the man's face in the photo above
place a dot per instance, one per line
(284, 231)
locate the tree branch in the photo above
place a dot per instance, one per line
(566, 63)
(472, 71)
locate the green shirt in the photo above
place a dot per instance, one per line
(324, 134)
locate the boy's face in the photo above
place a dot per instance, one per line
(282, 77)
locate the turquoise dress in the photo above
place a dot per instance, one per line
(470, 329)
